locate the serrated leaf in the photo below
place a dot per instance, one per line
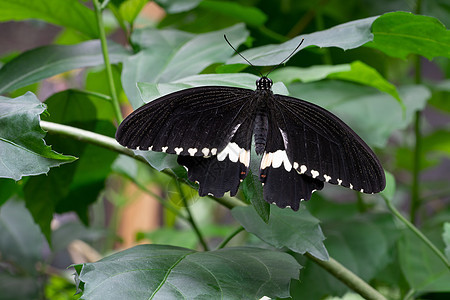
(399, 34)
(299, 231)
(22, 146)
(173, 54)
(166, 272)
(345, 36)
(43, 62)
(67, 13)
(76, 186)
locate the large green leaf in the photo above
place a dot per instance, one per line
(40, 63)
(399, 34)
(167, 272)
(299, 231)
(373, 115)
(151, 91)
(346, 36)
(357, 72)
(363, 243)
(76, 186)
(22, 147)
(248, 14)
(169, 55)
(67, 13)
(177, 6)
(423, 270)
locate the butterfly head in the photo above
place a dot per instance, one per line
(264, 83)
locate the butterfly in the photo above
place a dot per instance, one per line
(211, 129)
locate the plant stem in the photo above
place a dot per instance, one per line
(109, 143)
(228, 239)
(415, 187)
(416, 231)
(348, 278)
(190, 217)
(112, 87)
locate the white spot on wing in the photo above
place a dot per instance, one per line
(164, 149)
(339, 181)
(213, 151)
(137, 148)
(314, 173)
(362, 190)
(351, 186)
(205, 151)
(232, 150)
(151, 148)
(295, 166)
(192, 151)
(303, 169)
(178, 150)
(327, 178)
(244, 157)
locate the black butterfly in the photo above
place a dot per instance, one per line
(211, 128)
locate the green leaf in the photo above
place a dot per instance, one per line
(67, 13)
(423, 270)
(446, 238)
(364, 244)
(166, 272)
(177, 6)
(299, 231)
(390, 189)
(315, 73)
(40, 63)
(8, 187)
(371, 114)
(130, 9)
(363, 74)
(253, 192)
(21, 242)
(399, 34)
(24, 152)
(247, 14)
(172, 55)
(345, 36)
(152, 91)
(76, 186)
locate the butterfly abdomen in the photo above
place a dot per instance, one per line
(261, 127)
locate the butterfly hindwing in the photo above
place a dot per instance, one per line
(323, 147)
(196, 122)
(223, 172)
(283, 185)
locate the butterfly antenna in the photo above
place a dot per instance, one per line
(225, 37)
(289, 56)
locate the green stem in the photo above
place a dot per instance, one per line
(348, 278)
(228, 239)
(109, 143)
(416, 231)
(415, 187)
(112, 87)
(190, 217)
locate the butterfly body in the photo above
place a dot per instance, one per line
(211, 130)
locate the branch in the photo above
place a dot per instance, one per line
(348, 278)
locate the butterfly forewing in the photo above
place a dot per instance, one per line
(197, 122)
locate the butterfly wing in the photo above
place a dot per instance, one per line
(210, 128)
(197, 122)
(320, 145)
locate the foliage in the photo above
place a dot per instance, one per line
(367, 62)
